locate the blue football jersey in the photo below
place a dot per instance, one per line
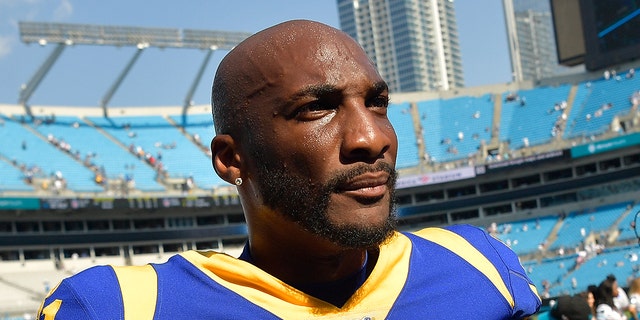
(458, 272)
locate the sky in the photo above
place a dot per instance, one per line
(83, 74)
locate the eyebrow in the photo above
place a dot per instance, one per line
(327, 89)
(316, 91)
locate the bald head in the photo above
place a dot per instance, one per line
(255, 67)
(300, 110)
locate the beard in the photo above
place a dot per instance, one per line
(307, 204)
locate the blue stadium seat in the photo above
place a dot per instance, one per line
(454, 128)
(12, 178)
(117, 161)
(524, 240)
(400, 117)
(592, 116)
(154, 134)
(535, 119)
(38, 152)
(579, 224)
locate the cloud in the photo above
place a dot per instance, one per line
(6, 44)
(63, 11)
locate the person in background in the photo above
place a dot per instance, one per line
(605, 306)
(634, 296)
(569, 308)
(620, 298)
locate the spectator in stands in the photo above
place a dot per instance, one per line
(634, 296)
(620, 298)
(590, 296)
(606, 308)
(569, 308)
(302, 132)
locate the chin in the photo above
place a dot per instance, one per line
(361, 216)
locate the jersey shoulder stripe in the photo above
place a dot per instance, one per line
(465, 250)
(139, 287)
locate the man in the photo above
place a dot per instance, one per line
(302, 131)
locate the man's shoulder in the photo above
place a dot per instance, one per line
(469, 242)
(98, 275)
(468, 232)
(83, 295)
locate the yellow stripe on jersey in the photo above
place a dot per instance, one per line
(461, 247)
(373, 300)
(139, 287)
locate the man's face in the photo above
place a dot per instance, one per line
(324, 151)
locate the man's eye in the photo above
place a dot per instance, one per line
(379, 102)
(315, 106)
(313, 110)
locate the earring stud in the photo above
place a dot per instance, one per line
(238, 181)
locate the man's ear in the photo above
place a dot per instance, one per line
(225, 157)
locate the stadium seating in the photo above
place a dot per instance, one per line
(97, 148)
(604, 99)
(450, 129)
(12, 178)
(578, 225)
(625, 228)
(197, 124)
(549, 271)
(29, 149)
(539, 103)
(454, 128)
(402, 120)
(525, 236)
(156, 136)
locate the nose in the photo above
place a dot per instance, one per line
(367, 135)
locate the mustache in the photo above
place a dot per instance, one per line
(344, 176)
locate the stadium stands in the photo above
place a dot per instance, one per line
(569, 219)
(542, 104)
(526, 236)
(401, 117)
(12, 178)
(33, 151)
(454, 128)
(577, 226)
(97, 149)
(604, 99)
(153, 137)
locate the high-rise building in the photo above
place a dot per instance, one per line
(414, 43)
(531, 39)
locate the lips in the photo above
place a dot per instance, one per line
(369, 185)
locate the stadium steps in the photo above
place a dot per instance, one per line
(74, 184)
(497, 111)
(567, 111)
(553, 235)
(415, 115)
(614, 231)
(106, 134)
(12, 176)
(184, 132)
(118, 143)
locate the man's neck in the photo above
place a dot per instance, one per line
(329, 278)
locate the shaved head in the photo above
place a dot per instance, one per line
(300, 117)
